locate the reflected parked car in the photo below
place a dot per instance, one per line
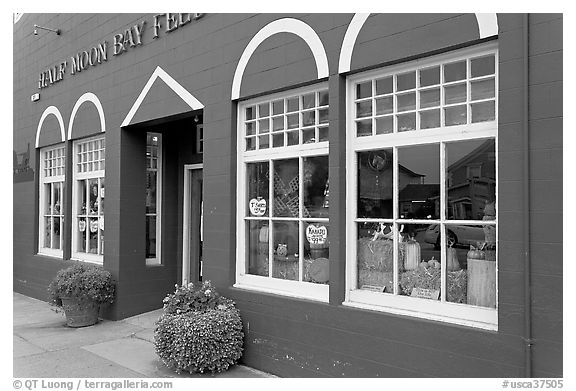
(463, 235)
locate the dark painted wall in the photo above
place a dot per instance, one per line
(285, 336)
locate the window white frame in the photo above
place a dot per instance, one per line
(157, 260)
(293, 288)
(52, 173)
(442, 310)
(88, 167)
(200, 138)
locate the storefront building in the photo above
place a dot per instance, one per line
(328, 172)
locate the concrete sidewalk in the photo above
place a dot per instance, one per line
(45, 347)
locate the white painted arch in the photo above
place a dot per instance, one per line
(487, 26)
(51, 110)
(87, 97)
(284, 25)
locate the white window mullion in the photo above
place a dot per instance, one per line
(395, 227)
(271, 234)
(98, 218)
(87, 219)
(443, 186)
(301, 215)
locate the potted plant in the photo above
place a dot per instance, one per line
(79, 291)
(199, 330)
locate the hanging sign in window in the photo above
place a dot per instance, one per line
(257, 206)
(316, 234)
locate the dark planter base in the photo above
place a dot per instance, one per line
(80, 314)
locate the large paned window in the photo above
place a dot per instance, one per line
(52, 174)
(88, 200)
(153, 197)
(283, 196)
(422, 188)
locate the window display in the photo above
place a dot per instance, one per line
(52, 188)
(285, 203)
(88, 203)
(425, 216)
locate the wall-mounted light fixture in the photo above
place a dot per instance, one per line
(196, 119)
(36, 27)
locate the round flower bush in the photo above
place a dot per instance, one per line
(199, 331)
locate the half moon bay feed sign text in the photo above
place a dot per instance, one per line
(130, 38)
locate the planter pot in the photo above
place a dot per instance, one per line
(80, 314)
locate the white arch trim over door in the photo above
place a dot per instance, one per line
(285, 25)
(182, 92)
(87, 97)
(55, 112)
(487, 26)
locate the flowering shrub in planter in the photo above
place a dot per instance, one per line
(79, 290)
(199, 331)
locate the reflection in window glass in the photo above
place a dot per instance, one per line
(316, 188)
(482, 112)
(406, 81)
(455, 115)
(455, 71)
(384, 86)
(419, 182)
(406, 122)
(482, 66)
(470, 190)
(430, 76)
(286, 188)
(375, 186)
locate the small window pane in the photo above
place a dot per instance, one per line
(455, 71)
(364, 109)
(257, 176)
(293, 137)
(263, 110)
(323, 116)
(385, 125)
(47, 232)
(82, 197)
(406, 102)
(364, 128)
(406, 81)
(308, 136)
(286, 246)
(430, 76)
(250, 128)
(263, 142)
(419, 187)
(286, 185)
(277, 123)
(250, 143)
(316, 252)
(375, 184)
(278, 140)
(482, 112)
(56, 233)
(323, 133)
(406, 122)
(82, 232)
(455, 115)
(364, 90)
(430, 98)
(92, 230)
(385, 86)
(293, 121)
(309, 101)
(151, 191)
(93, 203)
(278, 107)
(323, 98)
(250, 113)
(308, 118)
(384, 105)
(482, 66)
(429, 119)
(257, 242)
(482, 89)
(150, 236)
(263, 126)
(293, 104)
(455, 94)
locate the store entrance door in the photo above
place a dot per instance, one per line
(192, 237)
